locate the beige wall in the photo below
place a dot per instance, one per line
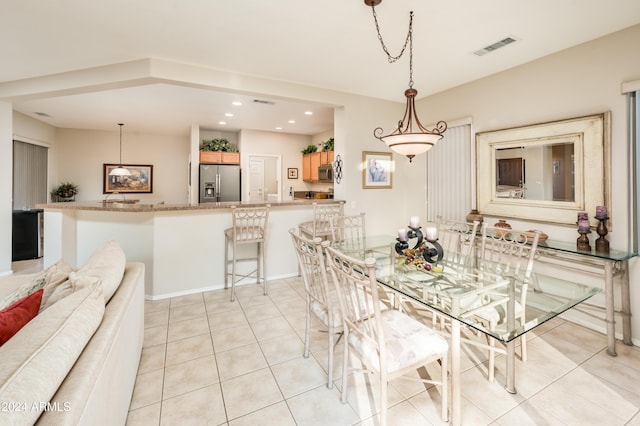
(81, 154)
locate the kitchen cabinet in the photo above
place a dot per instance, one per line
(311, 162)
(219, 157)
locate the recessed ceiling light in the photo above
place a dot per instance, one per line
(222, 122)
(236, 103)
(308, 113)
(292, 121)
(228, 114)
(278, 128)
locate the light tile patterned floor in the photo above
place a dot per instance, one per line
(210, 361)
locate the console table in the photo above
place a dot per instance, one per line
(613, 263)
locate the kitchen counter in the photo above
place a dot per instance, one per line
(126, 206)
(181, 245)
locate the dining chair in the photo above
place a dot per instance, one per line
(249, 226)
(322, 301)
(511, 254)
(320, 225)
(347, 227)
(388, 343)
(458, 240)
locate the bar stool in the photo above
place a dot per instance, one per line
(249, 227)
(320, 226)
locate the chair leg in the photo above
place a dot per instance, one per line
(226, 262)
(345, 367)
(263, 253)
(523, 347)
(444, 388)
(330, 363)
(233, 273)
(384, 385)
(306, 334)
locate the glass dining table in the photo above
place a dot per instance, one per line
(461, 289)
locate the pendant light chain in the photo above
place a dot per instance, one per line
(408, 41)
(120, 124)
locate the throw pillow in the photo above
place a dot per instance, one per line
(74, 283)
(107, 265)
(16, 316)
(48, 279)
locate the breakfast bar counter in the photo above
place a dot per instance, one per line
(181, 245)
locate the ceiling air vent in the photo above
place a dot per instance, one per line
(495, 46)
(42, 114)
(263, 102)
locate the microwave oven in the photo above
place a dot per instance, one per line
(325, 173)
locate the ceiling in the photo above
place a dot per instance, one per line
(330, 44)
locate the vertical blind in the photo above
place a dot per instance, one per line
(29, 175)
(449, 175)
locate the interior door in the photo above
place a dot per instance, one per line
(256, 179)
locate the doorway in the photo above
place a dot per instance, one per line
(264, 177)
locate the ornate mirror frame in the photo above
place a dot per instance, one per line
(591, 138)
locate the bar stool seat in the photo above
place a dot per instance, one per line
(249, 227)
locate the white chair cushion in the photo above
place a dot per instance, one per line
(250, 233)
(321, 312)
(37, 359)
(407, 342)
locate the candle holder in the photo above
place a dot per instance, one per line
(431, 254)
(602, 245)
(583, 240)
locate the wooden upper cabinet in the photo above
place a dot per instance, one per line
(326, 157)
(311, 162)
(219, 157)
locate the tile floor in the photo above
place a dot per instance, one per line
(210, 361)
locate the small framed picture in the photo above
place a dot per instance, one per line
(292, 173)
(139, 182)
(377, 171)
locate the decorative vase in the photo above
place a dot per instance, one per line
(502, 225)
(475, 215)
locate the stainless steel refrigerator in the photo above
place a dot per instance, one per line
(219, 182)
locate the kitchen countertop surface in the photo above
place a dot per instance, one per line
(130, 206)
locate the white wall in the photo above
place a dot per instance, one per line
(288, 146)
(81, 154)
(6, 189)
(576, 82)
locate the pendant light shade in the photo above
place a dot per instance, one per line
(120, 171)
(410, 138)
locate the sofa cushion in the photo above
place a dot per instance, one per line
(106, 264)
(73, 284)
(16, 316)
(47, 279)
(37, 359)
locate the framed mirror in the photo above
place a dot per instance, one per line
(545, 172)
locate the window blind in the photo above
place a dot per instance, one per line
(449, 175)
(29, 175)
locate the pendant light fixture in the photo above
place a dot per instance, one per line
(120, 171)
(410, 138)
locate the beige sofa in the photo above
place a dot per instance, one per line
(76, 362)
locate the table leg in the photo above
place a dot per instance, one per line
(455, 373)
(511, 367)
(610, 318)
(626, 304)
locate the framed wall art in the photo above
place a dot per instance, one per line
(139, 182)
(292, 173)
(377, 170)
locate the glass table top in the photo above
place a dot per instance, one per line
(480, 294)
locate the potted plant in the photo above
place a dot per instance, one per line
(328, 145)
(218, 145)
(309, 149)
(66, 191)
